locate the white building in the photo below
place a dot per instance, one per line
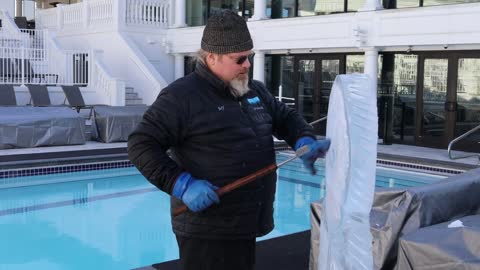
(425, 53)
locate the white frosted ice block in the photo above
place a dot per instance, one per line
(345, 239)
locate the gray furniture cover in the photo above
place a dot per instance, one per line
(315, 214)
(22, 127)
(438, 247)
(115, 123)
(397, 212)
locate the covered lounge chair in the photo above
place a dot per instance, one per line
(7, 95)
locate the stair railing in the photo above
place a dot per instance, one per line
(450, 145)
(113, 89)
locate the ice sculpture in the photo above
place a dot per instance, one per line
(345, 239)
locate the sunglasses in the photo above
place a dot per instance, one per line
(243, 58)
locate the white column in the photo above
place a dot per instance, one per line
(86, 14)
(260, 10)
(259, 66)
(119, 13)
(180, 13)
(371, 65)
(179, 66)
(371, 5)
(59, 11)
(19, 8)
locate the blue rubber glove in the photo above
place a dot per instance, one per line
(196, 194)
(317, 149)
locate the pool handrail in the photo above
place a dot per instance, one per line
(460, 138)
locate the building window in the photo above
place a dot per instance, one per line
(279, 77)
(198, 11)
(445, 2)
(320, 7)
(281, 8)
(392, 4)
(397, 86)
(355, 63)
(301, 8)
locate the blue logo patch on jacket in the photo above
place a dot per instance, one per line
(254, 100)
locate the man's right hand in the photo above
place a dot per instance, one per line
(196, 194)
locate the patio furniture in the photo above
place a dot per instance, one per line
(39, 95)
(24, 126)
(75, 98)
(456, 249)
(400, 211)
(7, 95)
(21, 22)
(115, 123)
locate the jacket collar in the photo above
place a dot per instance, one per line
(220, 86)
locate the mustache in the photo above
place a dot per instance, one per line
(246, 71)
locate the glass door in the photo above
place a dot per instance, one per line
(330, 70)
(314, 76)
(404, 89)
(432, 102)
(306, 97)
(468, 102)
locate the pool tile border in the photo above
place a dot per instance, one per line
(396, 164)
(417, 167)
(81, 167)
(11, 173)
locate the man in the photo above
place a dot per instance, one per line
(218, 125)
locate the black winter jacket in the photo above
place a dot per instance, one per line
(220, 138)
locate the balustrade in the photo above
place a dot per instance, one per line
(116, 13)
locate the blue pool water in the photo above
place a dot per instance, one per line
(114, 219)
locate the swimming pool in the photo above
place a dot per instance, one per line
(114, 219)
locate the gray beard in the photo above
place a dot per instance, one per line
(239, 87)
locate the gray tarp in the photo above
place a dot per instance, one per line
(22, 127)
(115, 123)
(397, 212)
(438, 247)
(315, 214)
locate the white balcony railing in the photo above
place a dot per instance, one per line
(101, 12)
(148, 12)
(47, 19)
(26, 65)
(72, 16)
(32, 57)
(92, 14)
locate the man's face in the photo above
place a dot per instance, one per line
(232, 66)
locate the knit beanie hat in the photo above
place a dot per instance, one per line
(226, 32)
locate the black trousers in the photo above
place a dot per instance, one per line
(211, 254)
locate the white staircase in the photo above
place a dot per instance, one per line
(138, 29)
(131, 97)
